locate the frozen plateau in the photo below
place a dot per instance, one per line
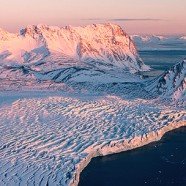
(70, 94)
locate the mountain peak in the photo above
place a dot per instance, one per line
(38, 29)
(97, 47)
(4, 35)
(31, 29)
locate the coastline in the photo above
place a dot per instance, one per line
(61, 133)
(125, 145)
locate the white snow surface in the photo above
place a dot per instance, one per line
(45, 48)
(49, 138)
(98, 53)
(172, 84)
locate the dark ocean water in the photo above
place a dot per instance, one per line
(159, 163)
(162, 60)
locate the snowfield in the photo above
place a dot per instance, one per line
(70, 94)
(49, 140)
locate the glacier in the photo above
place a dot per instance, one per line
(50, 140)
(70, 94)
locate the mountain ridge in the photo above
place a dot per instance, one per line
(160, 42)
(95, 54)
(172, 83)
(106, 44)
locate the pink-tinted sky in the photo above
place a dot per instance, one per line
(136, 16)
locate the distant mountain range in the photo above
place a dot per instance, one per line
(158, 42)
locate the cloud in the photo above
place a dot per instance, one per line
(123, 19)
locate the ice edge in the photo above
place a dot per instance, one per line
(124, 145)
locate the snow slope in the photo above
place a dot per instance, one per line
(47, 137)
(44, 48)
(172, 83)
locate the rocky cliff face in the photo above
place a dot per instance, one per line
(172, 84)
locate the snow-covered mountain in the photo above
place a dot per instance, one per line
(172, 83)
(62, 53)
(49, 137)
(158, 42)
(42, 56)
